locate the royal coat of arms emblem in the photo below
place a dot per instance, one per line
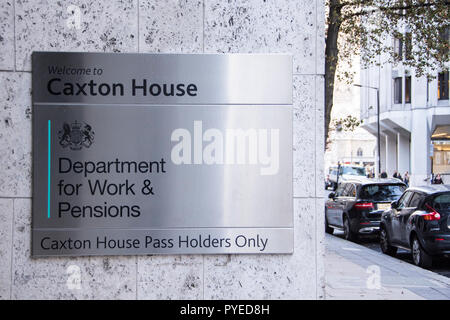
(76, 135)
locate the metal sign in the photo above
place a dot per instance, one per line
(161, 154)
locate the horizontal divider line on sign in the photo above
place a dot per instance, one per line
(157, 104)
(157, 229)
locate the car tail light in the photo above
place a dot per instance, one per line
(431, 215)
(363, 205)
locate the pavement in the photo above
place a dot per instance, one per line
(355, 272)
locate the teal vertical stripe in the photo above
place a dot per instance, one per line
(49, 166)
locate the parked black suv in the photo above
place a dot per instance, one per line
(357, 204)
(419, 221)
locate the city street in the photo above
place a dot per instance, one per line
(441, 266)
(353, 271)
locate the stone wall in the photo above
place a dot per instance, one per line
(209, 26)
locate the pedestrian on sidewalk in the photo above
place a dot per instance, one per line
(406, 178)
(438, 179)
(397, 175)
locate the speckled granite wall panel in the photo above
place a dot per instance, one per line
(65, 278)
(79, 25)
(15, 134)
(6, 219)
(304, 135)
(269, 276)
(7, 35)
(264, 26)
(320, 37)
(170, 277)
(171, 26)
(319, 135)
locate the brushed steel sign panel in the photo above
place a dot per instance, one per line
(161, 154)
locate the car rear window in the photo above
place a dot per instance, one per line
(382, 192)
(354, 171)
(442, 202)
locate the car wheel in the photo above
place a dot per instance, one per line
(328, 229)
(385, 245)
(420, 257)
(348, 233)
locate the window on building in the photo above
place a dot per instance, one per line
(398, 48)
(443, 85)
(359, 152)
(398, 90)
(437, 157)
(444, 34)
(441, 154)
(408, 89)
(408, 46)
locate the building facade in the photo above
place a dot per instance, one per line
(349, 147)
(414, 118)
(352, 147)
(167, 26)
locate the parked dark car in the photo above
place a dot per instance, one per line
(418, 221)
(357, 204)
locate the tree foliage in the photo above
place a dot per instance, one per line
(348, 123)
(370, 27)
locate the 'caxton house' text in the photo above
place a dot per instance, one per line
(57, 87)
